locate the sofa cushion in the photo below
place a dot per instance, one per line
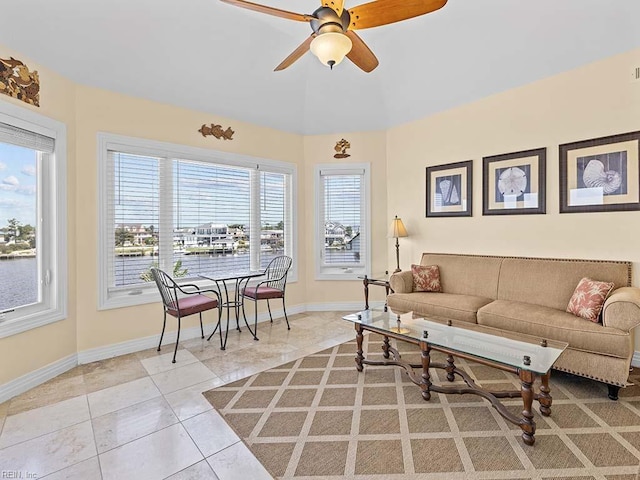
(588, 298)
(475, 275)
(550, 282)
(554, 324)
(426, 278)
(438, 305)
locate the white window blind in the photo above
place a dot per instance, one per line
(191, 212)
(342, 220)
(273, 216)
(25, 138)
(133, 210)
(212, 205)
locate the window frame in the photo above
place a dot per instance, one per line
(52, 226)
(323, 272)
(108, 142)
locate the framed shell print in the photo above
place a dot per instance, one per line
(514, 183)
(449, 190)
(600, 175)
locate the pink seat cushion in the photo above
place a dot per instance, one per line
(193, 304)
(263, 293)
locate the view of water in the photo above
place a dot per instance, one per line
(19, 279)
(18, 282)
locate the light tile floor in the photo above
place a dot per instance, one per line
(139, 416)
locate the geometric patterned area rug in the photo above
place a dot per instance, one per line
(317, 417)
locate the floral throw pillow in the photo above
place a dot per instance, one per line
(426, 278)
(588, 298)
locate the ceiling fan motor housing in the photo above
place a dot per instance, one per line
(327, 20)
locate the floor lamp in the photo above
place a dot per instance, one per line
(396, 231)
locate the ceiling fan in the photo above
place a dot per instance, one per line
(333, 27)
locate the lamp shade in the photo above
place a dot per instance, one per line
(331, 47)
(397, 229)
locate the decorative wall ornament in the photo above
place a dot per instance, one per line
(18, 82)
(341, 149)
(216, 131)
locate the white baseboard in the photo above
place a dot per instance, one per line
(138, 344)
(37, 377)
(41, 375)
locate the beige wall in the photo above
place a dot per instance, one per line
(593, 101)
(28, 351)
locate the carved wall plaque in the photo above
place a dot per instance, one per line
(216, 131)
(18, 82)
(341, 149)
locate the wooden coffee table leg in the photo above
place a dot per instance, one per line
(544, 398)
(359, 355)
(425, 385)
(450, 368)
(385, 347)
(527, 424)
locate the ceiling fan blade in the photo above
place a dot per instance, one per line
(336, 5)
(383, 12)
(360, 54)
(270, 10)
(296, 54)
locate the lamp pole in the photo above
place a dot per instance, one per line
(397, 230)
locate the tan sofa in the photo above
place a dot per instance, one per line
(530, 295)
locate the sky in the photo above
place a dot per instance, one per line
(17, 184)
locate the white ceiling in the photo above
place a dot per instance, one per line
(212, 57)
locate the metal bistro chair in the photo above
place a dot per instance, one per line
(273, 287)
(181, 303)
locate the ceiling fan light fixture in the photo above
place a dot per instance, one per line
(331, 47)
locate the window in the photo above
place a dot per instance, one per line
(342, 221)
(32, 220)
(189, 211)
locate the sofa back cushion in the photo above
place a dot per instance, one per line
(475, 275)
(551, 282)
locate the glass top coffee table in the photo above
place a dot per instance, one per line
(526, 356)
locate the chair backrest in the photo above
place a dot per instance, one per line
(167, 288)
(276, 272)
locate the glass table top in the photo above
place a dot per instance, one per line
(376, 277)
(509, 348)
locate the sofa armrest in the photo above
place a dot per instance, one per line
(622, 309)
(401, 282)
